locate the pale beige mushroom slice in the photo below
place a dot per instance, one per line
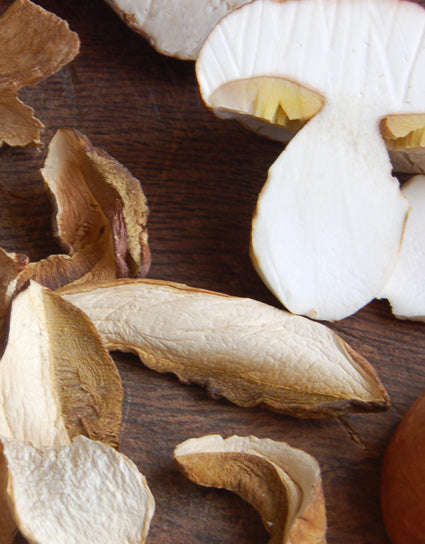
(34, 44)
(281, 482)
(332, 187)
(406, 287)
(56, 380)
(175, 28)
(85, 492)
(241, 349)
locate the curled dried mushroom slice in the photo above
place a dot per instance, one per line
(34, 44)
(100, 205)
(101, 220)
(56, 378)
(241, 349)
(281, 482)
(56, 381)
(79, 493)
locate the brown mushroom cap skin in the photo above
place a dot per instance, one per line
(403, 479)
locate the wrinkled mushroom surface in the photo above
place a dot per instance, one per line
(174, 27)
(56, 381)
(244, 350)
(101, 208)
(332, 185)
(101, 218)
(281, 482)
(34, 44)
(80, 493)
(406, 287)
(56, 378)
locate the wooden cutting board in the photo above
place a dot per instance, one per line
(201, 177)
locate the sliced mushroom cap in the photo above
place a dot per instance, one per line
(406, 287)
(332, 186)
(281, 482)
(34, 44)
(248, 352)
(174, 27)
(80, 493)
(56, 378)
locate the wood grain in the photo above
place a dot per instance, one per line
(201, 177)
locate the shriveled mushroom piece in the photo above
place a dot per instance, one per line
(80, 493)
(56, 378)
(101, 208)
(174, 27)
(34, 44)
(56, 381)
(101, 218)
(330, 218)
(406, 287)
(241, 349)
(281, 482)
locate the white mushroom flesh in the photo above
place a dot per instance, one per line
(330, 219)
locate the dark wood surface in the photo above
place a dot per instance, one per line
(201, 177)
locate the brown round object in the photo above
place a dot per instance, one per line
(403, 479)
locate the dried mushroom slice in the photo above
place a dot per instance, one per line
(56, 379)
(241, 349)
(8, 527)
(101, 207)
(80, 493)
(281, 482)
(101, 219)
(34, 44)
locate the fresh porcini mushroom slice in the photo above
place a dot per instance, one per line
(241, 349)
(281, 482)
(175, 28)
(405, 289)
(56, 378)
(332, 185)
(79, 493)
(34, 44)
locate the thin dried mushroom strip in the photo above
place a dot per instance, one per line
(85, 492)
(34, 44)
(281, 482)
(241, 349)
